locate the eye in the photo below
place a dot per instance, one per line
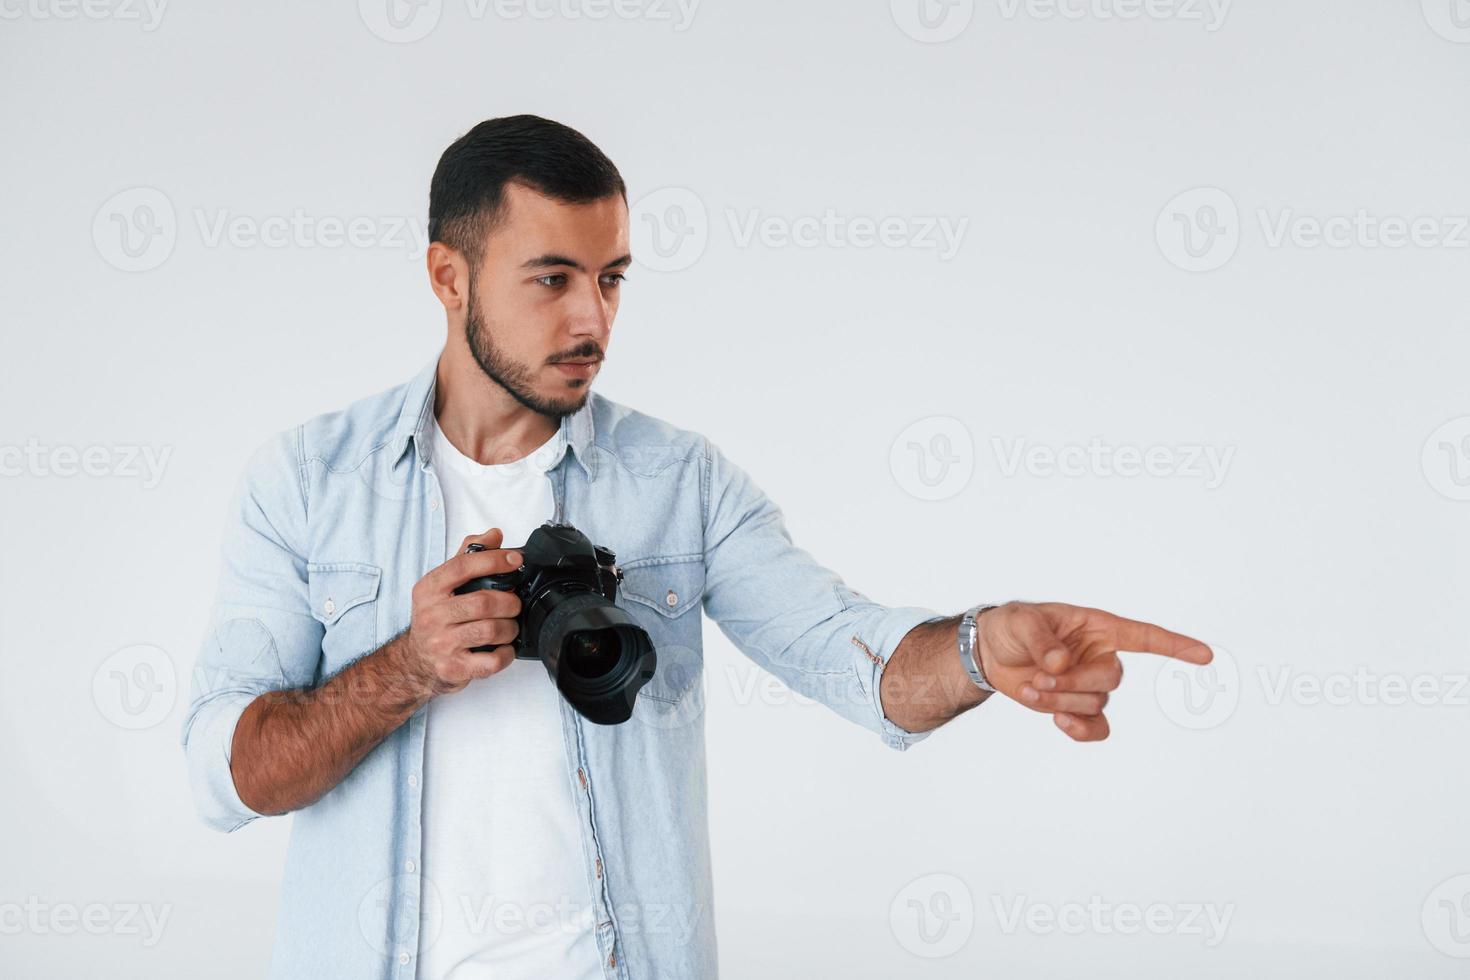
(615, 279)
(561, 279)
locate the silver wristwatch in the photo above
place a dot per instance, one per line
(970, 648)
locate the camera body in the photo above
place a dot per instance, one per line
(597, 655)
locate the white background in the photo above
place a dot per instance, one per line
(1331, 833)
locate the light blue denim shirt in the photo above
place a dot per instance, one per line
(334, 522)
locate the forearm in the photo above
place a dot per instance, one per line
(291, 747)
(924, 684)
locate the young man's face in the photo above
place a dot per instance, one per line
(543, 300)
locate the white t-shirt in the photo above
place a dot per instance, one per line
(505, 892)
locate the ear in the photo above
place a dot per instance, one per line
(449, 277)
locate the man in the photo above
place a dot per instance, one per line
(454, 816)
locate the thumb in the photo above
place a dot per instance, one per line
(1032, 639)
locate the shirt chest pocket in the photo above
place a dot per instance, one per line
(344, 600)
(663, 595)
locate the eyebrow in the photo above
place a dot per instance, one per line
(551, 259)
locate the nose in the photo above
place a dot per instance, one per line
(591, 313)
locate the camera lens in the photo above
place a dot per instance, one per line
(596, 653)
(592, 653)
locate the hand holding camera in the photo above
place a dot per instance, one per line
(453, 638)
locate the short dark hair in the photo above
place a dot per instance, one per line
(467, 193)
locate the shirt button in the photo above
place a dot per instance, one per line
(403, 959)
(434, 504)
(412, 780)
(671, 599)
(329, 607)
(409, 866)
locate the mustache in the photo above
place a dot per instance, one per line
(586, 351)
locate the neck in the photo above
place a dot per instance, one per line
(480, 418)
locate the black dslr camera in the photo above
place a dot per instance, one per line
(597, 656)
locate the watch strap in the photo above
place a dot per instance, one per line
(969, 646)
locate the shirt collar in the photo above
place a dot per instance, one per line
(415, 422)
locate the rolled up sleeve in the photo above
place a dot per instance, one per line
(262, 636)
(791, 615)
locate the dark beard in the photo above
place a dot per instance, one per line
(513, 377)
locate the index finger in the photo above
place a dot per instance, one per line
(1140, 637)
(492, 538)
